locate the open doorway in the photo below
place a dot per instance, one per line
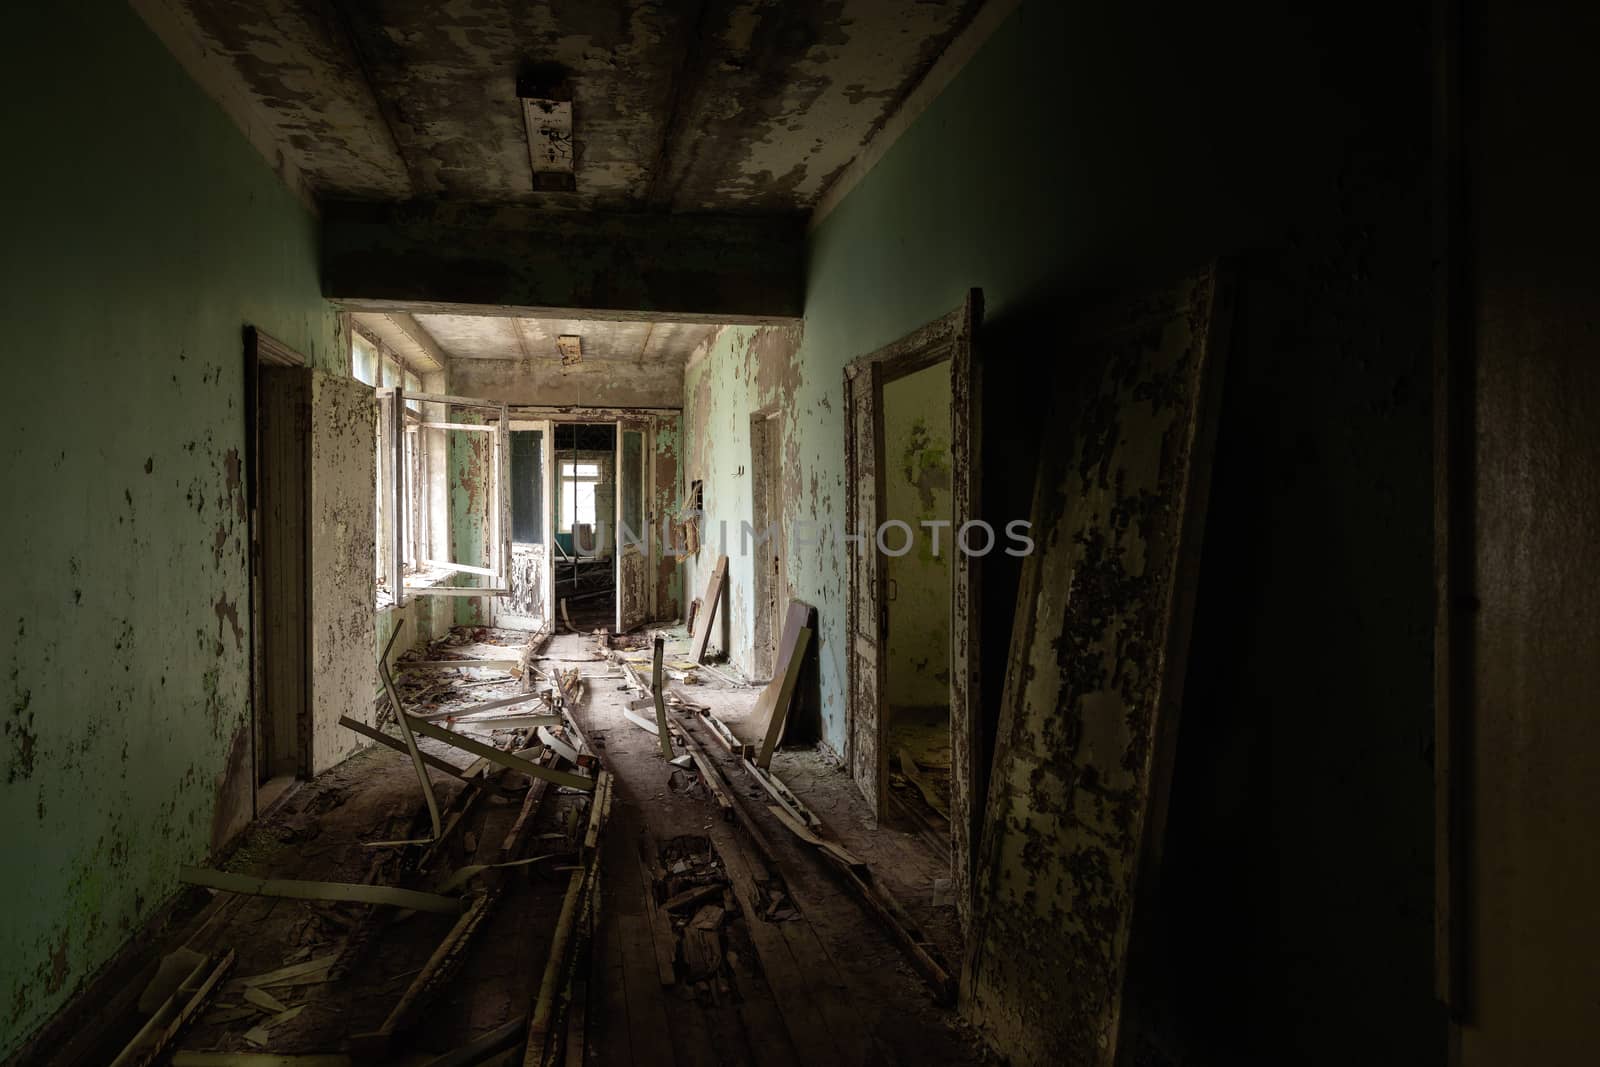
(530, 577)
(916, 699)
(584, 517)
(938, 465)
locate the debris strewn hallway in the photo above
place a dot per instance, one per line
(1112, 490)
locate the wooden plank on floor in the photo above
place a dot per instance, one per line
(808, 1028)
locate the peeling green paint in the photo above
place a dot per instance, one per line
(916, 434)
(139, 251)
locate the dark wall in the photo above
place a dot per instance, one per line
(1294, 917)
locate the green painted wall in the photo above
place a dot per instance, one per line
(1091, 147)
(916, 438)
(142, 234)
(746, 369)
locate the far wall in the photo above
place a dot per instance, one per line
(916, 470)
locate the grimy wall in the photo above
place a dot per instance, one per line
(916, 474)
(1095, 147)
(140, 241)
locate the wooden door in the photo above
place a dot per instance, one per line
(530, 576)
(633, 526)
(1088, 722)
(281, 518)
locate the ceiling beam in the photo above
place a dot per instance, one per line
(524, 261)
(406, 336)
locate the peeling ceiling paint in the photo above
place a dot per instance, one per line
(500, 337)
(716, 105)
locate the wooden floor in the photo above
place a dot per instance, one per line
(826, 985)
(783, 966)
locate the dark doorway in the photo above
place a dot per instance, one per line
(278, 531)
(584, 523)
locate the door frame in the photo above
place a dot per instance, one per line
(766, 510)
(948, 338)
(546, 517)
(264, 351)
(640, 425)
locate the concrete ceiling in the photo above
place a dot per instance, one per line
(693, 106)
(499, 337)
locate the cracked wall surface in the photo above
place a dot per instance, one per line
(135, 254)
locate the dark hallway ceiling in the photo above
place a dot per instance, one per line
(694, 106)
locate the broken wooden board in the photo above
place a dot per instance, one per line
(558, 746)
(179, 1009)
(662, 940)
(712, 601)
(575, 910)
(259, 1059)
(405, 730)
(913, 774)
(449, 664)
(284, 975)
(295, 889)
(1097, 659)
(779, 693)
(924, 955)
(504, 759)
(478, 709)
(658, 692)
(726, 737)
(399, 746)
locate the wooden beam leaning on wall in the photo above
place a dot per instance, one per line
(708, 614)
(779, 694)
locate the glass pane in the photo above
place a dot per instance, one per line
(364, 360)
(632, 483)
(583, 510)
(527, 486)
(413, 385)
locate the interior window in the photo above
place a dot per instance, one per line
(577, 494)
(363, 360)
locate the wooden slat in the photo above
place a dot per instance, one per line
(657, 691)
(399, 746)
(708, 611)
(504, 759)
(405, 730)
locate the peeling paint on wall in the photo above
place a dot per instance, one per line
(343, 568)
(745, 369)
(124, 721)
(916, 435)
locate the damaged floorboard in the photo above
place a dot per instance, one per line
(716, 936)
(825, 984)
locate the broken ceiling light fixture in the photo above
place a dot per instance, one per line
(547, 114)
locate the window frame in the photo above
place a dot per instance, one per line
(403, 471)
(574, 479)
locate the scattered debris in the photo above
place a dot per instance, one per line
(305, 890)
